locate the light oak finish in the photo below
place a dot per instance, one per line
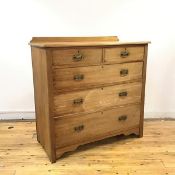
(95, 125)
(73, 147)
(74, 39)
(85, 83)
(42, 87)
(143, 92)
(66, 57)
(153, 154)
(52, 42)
(95, 76)
(97, 99)
(114, 55)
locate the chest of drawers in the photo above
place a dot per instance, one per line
(87, 89)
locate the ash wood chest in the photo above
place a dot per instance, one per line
(87, 89)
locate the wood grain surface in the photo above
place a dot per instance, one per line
(67, 57)
(114, 54)
(95, 76)
(97, 99)
(79, 41)
(86, 76)
(95, 125)
(43, 95)
(154, 154)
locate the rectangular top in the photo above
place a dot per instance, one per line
(79, 41)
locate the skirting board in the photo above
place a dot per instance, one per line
(159, 114)
(18, 115)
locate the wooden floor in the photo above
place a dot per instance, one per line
(154, 154)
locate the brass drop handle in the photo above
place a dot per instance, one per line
(123, 94)
(78, 101)
(77, 57)
(124, 54)
(122, 118)
(124, 72)
(78, 77)
(79, 128)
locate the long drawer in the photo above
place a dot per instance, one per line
(97, 99)
(77, 57)
(67, 79)
(82, 128)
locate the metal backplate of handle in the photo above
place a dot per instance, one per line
(78, 101)
(78, 77)
(123, 94)
(124, 72)
(77, 57)
(79, 128)
(124, 54)
(122, 118)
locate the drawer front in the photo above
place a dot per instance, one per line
(77, 57)
(97, 99)
(123, 54)
(82, 128)
(68, 79)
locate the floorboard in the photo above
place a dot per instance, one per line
(154, 154)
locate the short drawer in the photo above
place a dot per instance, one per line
(97, 99)
(77, 57)
(123, 54)
(69, 79)
(85, 128)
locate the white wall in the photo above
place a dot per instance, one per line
(129, 19)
